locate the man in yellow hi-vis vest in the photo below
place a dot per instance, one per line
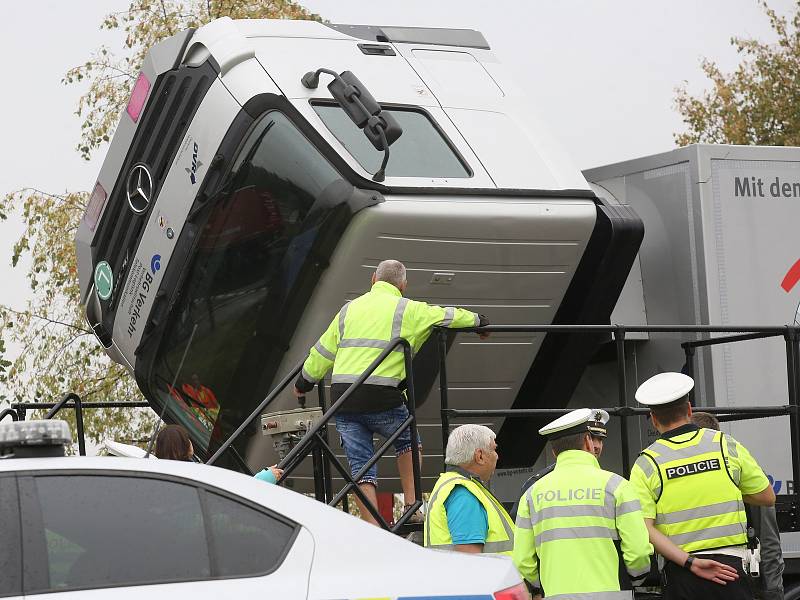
(463, 515)
(568, 521)
(358, 333)
(692, 483)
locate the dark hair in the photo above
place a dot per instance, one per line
(672, 412)
(705, 420)
(568, 442)
(173, 443)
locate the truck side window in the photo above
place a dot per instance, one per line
(422, 150)
(108, 531)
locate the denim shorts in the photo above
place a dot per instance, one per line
(356, 432)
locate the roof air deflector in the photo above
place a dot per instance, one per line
(464, 38)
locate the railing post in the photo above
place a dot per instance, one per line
(412, 409)
(443, 397)
(9, 412)
(326, 463)
(622, 382)
(792, 381)
(76, 401)
(689, 352)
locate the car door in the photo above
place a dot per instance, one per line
(11, 544)
(90, 534)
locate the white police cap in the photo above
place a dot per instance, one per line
(664, 388)
(591, 420)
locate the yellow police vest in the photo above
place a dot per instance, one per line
(567, 525)
(499, 537)
(363, 328)
(699, 505)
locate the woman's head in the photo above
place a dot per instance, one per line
(173, 443)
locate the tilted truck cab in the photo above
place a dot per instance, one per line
(238, 209)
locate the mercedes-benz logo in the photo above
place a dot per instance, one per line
(139, 188)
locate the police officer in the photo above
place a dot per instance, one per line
(692, 483)
(463, 515)
(567, 521)
(599, 434)
(358, 333)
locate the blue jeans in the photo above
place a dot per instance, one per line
(356, 431)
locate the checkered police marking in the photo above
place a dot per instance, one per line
(710, 464)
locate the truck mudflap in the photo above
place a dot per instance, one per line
(562, 358)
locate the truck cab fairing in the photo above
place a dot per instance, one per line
(507, 219)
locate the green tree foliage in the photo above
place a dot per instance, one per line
(58, 351)
(757, 103)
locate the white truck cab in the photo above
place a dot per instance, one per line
(240, 206)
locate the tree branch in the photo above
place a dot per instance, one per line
(46, 319)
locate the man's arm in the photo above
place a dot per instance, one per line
(702, 567)
(524, 555)
(320, 359)
(633, 534)
(765, 497)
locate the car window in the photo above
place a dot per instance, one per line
(104, 531)
(246, 541)
(10, 550)
(422, 150)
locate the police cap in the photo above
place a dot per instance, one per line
(664, 388)
(589, 420)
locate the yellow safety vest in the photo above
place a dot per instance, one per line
(499, 537)
(567, 525)
(363, 328)
(698, 503)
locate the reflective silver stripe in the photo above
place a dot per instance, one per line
(397, 320)
(731, 443)
(440, 546)
(709, 533)
(710, 510)
(477, 322)
(372, 379)
(612, 484)
(646, 465)
(573, 510)
(666, 454)
(324, 351)
(449, 313)
(594, 596)
(574, 533)
(367, 343)
(494, 547)
(308, 377)
(523, 522)
(342, 314)
(506, 525)
(628, 507)
(639, 571)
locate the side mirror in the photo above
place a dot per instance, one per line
(381, 128)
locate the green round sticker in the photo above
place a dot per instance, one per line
(103, 280)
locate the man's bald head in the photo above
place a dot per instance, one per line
(391, 271)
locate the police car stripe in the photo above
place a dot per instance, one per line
(324, 351)
(574, 533)
(709, 533)
(700, 512)
(461, 597)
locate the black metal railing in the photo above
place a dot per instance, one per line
(9, 412)
(314, 442)
(68, 400)
(791, 334)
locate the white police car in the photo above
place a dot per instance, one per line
(78, 527)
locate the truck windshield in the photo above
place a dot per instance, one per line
(235, 309)
(422, 150)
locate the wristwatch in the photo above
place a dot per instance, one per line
(688, 563)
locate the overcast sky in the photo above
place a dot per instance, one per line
(603, 72)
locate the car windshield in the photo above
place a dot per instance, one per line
(232, 320)
(422, 150)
